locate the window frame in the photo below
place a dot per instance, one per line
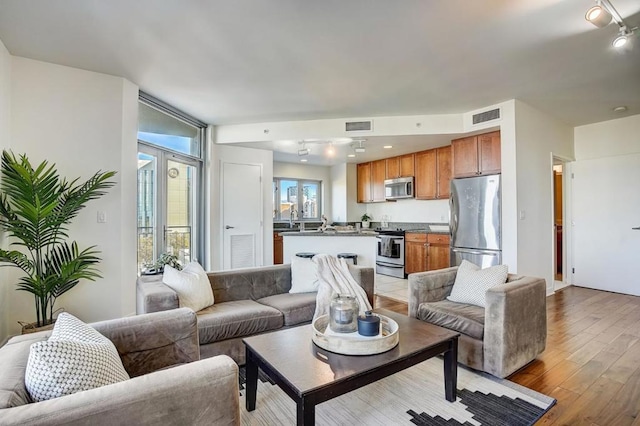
(164, 155)
(277, 183)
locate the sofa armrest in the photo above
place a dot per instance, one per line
(149, 342)
(431, 286)
(152, 295)
(515, 324)
(200, 393)
(364, 276)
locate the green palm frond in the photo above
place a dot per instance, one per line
(36, 207)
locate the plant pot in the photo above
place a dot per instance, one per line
(365, 223)
(32, 328)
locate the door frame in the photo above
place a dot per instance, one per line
(221, 222)
(567, 221)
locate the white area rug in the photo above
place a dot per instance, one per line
(412, 396)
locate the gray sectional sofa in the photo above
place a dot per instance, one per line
(247, 301)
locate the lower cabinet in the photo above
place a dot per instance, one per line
(415, 252)
(277, 249)
(437, 251)
(425, 252)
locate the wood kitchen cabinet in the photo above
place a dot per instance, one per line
(277, 249)
(476, 155)
(364, 183)
(371, 181)
(401, 166)
(433, 173)
(378, 173)
(415, 252)
(437, 251)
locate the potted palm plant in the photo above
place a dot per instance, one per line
(36, 207)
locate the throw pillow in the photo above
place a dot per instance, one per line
(75, 358)
(304, 275)
(472, 283)
(192, 285)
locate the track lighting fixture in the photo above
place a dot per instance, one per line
(303, 151)
(359, 148)
(602, 13)
(598, 15)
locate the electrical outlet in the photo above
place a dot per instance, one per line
(522, 214)
(102, 217)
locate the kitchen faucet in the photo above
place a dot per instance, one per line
(291, 217)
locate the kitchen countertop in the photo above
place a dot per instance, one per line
(425, 231)
(327, 234)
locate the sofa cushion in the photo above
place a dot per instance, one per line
(472, 282)
(75, 358)
(13, 363)
(296, 307)
(236, 319)
(304, 275)
(461, 317)
(191, 284)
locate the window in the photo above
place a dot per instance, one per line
(295, 199)
(170, 183)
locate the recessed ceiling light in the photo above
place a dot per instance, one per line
(620, 108)
(304, 160)
(351, 155)
(388, 146)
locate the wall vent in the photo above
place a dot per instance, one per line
(359, 126)
(483, 117)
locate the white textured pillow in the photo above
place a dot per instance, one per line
(75, 358)
(191, 284)
(304, 275)
(472, 283)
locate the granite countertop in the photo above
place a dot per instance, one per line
(425, 231)
(327, 234)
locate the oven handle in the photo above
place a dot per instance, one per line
(389, 265)
(391, 238)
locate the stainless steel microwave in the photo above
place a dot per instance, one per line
(396, 189)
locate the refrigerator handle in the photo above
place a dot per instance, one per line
(484, 253)
(453, 226)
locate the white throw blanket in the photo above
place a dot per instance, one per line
(334, 277)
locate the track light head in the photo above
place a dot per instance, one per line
(598, 16)
(620, 41)
(304, 151)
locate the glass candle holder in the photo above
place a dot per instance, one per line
(343, 314)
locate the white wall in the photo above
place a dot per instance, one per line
(5, 132)
(83, 122)
(241, 155)
(538, 137)
(607, 205)
(433, 211)
(303, 171)
(344, 193)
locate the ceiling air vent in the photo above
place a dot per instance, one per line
(483, 117)
(359, 126)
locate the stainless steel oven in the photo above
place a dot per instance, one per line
(390, 253)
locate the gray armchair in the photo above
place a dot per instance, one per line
(500, 338)
(193, 391)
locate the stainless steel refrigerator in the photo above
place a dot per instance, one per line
(475, 221)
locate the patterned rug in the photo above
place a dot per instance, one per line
(413, 396)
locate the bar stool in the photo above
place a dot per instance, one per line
(347, 256)
(305, 255)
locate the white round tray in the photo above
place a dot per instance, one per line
(354, 343)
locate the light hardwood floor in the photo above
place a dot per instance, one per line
(592, 361)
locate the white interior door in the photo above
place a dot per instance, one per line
(242, 215)
(606, 206)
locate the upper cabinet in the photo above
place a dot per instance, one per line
(476, 155)
(402, 166)
(433, 173)
(371, 177)
(364, 183)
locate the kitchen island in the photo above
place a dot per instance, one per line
(362, 244)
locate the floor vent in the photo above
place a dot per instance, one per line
(359, 126)
(483, 117)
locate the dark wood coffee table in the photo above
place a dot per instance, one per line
(311, 375)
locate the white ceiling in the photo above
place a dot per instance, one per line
(262, 60)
